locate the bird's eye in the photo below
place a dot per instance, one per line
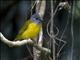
(37, 18)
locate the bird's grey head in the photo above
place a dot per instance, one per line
(35, 17)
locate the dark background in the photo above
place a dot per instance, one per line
(14, 13)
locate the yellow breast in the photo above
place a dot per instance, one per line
(31, 31)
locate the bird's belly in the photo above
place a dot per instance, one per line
(32, 31)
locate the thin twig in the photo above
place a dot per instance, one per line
(72, 32)
(54, 36)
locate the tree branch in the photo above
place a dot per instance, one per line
(22, 42)
(14, 43)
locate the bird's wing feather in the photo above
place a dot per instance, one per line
(23, 28)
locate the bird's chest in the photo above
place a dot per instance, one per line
(33, 29)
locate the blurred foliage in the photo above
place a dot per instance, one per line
(77, 9)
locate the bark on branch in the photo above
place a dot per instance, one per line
(22, 42)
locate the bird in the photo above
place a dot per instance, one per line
(30, 28)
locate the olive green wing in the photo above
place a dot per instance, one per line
(23, 28)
